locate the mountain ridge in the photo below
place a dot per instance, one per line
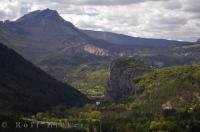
(23, 86)
(129, 40)
(61, 49)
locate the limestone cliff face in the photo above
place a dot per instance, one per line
(122, 80)
(96, 50)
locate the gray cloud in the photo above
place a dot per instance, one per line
(95, 2)
(191, 5)
(171, 19)
(10, 9)
(113, 2)
(173, 4)
(2, 15)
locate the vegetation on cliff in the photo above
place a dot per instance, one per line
(124, 72)
(175, 87)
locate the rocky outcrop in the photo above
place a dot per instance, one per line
(96, 50)
(122, 80)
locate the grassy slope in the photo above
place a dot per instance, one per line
(85, 72)
(90, 80)
(178, 86)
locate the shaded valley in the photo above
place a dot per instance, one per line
(55, 74)
(26, 88)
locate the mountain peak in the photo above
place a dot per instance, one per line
(49, 12)
(39, 16)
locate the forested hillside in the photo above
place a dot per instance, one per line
(25, 88)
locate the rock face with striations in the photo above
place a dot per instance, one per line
(96, 50)
(123, 74)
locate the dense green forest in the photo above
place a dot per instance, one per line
(170, 102)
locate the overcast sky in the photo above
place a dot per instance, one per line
(169, 19)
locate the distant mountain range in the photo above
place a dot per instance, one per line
(43, 32)
(26, 88)
(72, 55)
(131, 41)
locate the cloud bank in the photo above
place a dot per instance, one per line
(169, 19)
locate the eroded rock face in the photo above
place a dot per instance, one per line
(122, 80)
(96, 50)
